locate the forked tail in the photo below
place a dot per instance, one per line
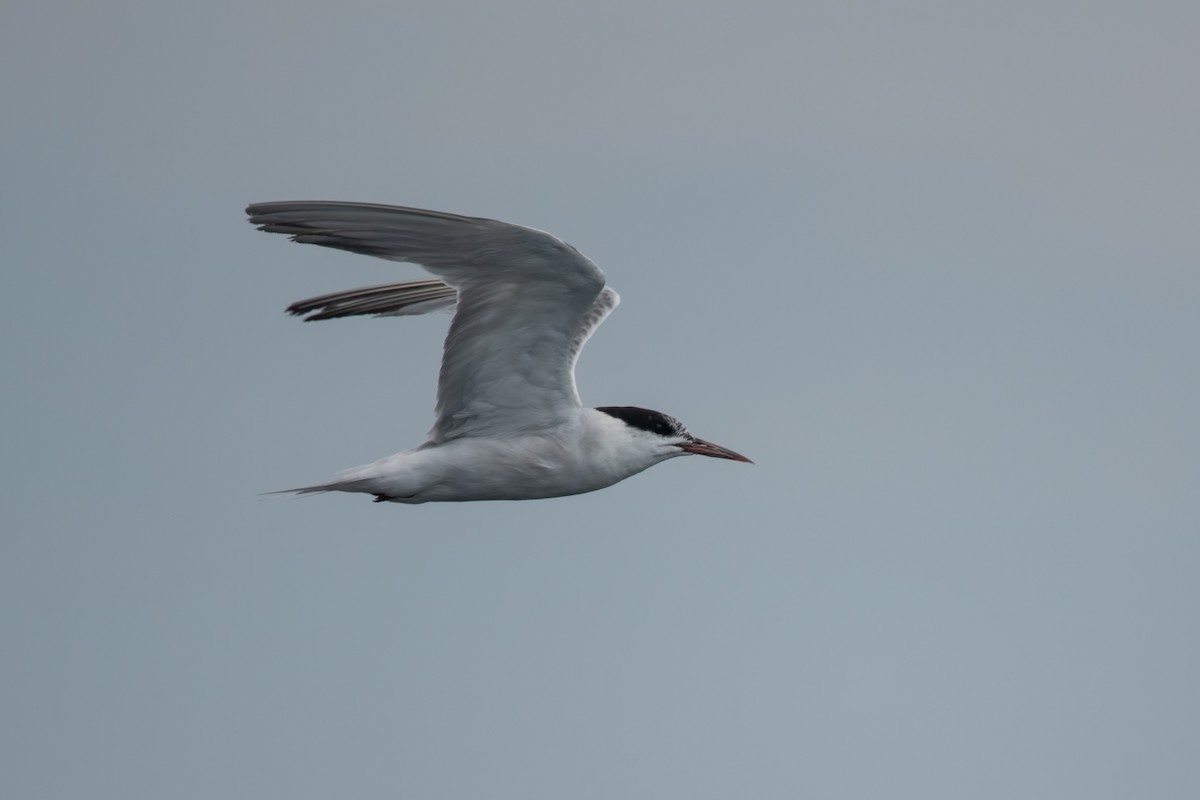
(358, 485)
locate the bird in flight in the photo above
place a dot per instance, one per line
(509, 423)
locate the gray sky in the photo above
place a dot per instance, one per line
(934, 266)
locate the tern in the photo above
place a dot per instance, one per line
(509, 423)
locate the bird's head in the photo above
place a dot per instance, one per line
(666, 435)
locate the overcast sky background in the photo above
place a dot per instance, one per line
(934, 266)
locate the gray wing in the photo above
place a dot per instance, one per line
(525, 304)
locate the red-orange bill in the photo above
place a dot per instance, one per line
(702, 448)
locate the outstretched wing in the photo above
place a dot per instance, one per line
(526, 303)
